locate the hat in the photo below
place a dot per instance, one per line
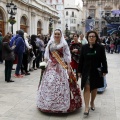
(21, 32)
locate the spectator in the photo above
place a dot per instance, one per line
(1, 61)
(83, 40)
(8, 56)
(75, 49)
(19, 50)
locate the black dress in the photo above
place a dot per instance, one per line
(90, 60)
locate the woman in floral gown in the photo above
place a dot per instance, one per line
(58, 93)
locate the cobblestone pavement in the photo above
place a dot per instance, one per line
(18, 99)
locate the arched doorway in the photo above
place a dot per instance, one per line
(2, 27)
(23, 23)
(39, 27)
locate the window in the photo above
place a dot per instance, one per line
(39, 24)
(73, 28)
(103, 22)
(72, 14)
(66, 20)
(71, 20)
(74, 20)
(66, 13)
(23, 20)
(54, 2)
(59, 1)
(1, 16)
(107, 13)
(59, 22)
(92, 13)
(59, 7)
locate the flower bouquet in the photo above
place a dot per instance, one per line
(43, 65)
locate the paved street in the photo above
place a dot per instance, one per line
(18, 99)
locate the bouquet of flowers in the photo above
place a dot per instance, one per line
(43, 65)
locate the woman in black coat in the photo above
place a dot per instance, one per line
(92, 61)
(8, 56)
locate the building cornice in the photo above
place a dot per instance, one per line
(40, 6)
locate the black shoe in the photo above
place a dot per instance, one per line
(86, 113)
(35, 68)
(92, 108)
(10, 81)
(38, 67)
(27, 73)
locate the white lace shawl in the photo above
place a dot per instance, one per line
(63, 43)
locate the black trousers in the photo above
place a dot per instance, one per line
(8, 69)
(1, 60)
(38, 58)
(24, 66)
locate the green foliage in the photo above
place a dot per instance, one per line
(12, 21)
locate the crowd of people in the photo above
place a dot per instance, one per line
(66, 60)
(23, 50)
(111, 43)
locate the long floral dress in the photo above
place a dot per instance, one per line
(57, 93)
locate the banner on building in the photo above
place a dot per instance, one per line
(89, 25)
(113, 28)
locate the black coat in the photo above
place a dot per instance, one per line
(7, 52)
(90, 60)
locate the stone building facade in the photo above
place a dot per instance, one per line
(97, 9)
(59, 6)
(73, 17)
(32, 16)
(69, 14)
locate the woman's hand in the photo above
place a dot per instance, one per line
(75, 50)
(13, 47)
(79, 75)
(104, 74)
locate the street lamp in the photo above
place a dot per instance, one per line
(50, 25)
(66, 29)
(12, 10)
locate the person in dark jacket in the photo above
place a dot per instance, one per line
(8, 56)
(92, 67)
(1, 37)
(19, 50)
(35, 49)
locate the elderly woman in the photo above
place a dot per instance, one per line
(8, 56)
(57, 92)
(92, 67)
